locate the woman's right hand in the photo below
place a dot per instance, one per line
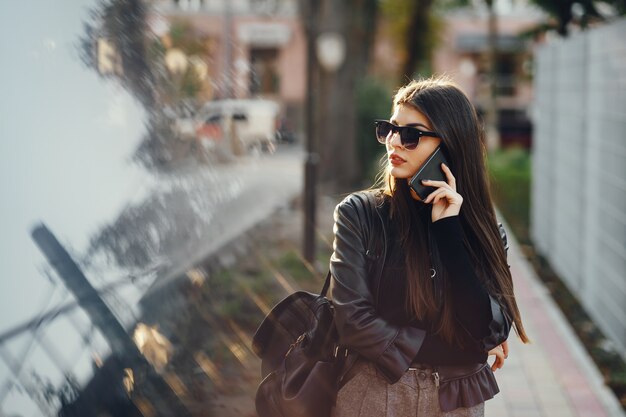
(501, 352)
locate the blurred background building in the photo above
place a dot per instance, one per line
(252, 48)
(461, 48)
(462, 54)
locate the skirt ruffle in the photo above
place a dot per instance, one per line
(467, 391)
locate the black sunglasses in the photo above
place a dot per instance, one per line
(409, 135)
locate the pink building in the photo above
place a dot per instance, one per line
(257, 48)
(461, 54)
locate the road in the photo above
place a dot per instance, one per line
(236, 196)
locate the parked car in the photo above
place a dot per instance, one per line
(247, 124)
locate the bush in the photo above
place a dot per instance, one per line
(292, 264)
(373, 102)
(510, 174)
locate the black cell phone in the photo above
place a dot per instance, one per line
(430, 170)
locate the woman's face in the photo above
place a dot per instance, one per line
(405, 163)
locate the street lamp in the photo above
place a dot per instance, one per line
(329, 51)
(176, 61)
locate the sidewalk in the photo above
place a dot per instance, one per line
(553, 376)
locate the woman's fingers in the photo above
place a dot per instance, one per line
(499, 361)
(444, 194)
(505, 348)
(447, 191)
(434, 194)
(449, 176)
(500, 352)
(451, 183)
(452, 196)
(436, 184)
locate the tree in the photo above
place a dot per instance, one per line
(415, 29)
(355, 20)
(563, 11)
(124, 24)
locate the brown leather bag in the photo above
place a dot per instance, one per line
(297, 344)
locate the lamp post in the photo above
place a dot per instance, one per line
(327, 49)
(312, 157)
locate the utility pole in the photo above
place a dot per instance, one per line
(228, 49)
(103, 318)
(491, 114)
(312, 157)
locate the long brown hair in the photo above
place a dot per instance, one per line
(451, 115)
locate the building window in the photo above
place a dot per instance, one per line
(264, 78)
(506, 70)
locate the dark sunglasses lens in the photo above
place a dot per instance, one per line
(410, 138)
(382, 131)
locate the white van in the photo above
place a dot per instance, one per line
(246, 123)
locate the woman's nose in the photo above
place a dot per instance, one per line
(394, 140)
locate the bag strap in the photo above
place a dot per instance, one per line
(326, 285)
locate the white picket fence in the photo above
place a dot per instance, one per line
(578, 214)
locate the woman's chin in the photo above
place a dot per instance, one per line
(399, 172)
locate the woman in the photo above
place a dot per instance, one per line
(422, 290)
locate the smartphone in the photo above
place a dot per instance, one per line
(430, 170)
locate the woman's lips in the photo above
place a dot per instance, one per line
(396, 160)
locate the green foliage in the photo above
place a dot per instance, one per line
(156, 50)
(184, 38)
(561, 11)
(191, 84)
(228, 300)
(445, 5)
(292, 264)
(373, 102)
(415, 30)
(510, 173)
(222, 279)
(323, 254)
(398, 12)
(231, 308)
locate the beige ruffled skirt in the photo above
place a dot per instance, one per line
(368, 394)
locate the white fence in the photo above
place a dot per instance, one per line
(578, 210)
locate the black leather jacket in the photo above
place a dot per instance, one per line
(356, 267)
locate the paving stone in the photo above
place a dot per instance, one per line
(553, 376)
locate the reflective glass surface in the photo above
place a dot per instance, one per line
(119, 195)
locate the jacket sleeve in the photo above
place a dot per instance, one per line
(478, 312)
(389, 347)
